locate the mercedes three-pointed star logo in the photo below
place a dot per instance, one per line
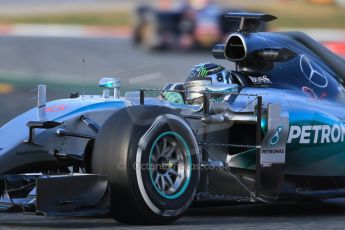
(313, 72)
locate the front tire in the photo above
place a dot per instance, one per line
(151, 157)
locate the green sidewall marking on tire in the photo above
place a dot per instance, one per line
(184, 187)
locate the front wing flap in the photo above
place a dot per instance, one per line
(74, 194)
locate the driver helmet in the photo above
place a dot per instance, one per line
(202, 75)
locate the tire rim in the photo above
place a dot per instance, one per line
(170, 165)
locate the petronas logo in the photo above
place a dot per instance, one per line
(276, 136)
(203, 72)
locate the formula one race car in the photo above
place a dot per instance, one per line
(183, 28)
(277, 135)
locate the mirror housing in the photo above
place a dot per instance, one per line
(110, 83)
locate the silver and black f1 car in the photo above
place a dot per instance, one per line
(277, 135)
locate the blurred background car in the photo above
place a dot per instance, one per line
(192, 24)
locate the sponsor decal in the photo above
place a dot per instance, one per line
(261, 80)
(273, 151)
(313, 72)
(273, 145)
(203, 72)
(56, 108)
(276, 136)
(317, 134)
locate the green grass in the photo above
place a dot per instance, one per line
(29, 83)
(109, 18)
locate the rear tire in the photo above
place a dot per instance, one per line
(149, 154)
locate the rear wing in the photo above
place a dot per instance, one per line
(249, 22)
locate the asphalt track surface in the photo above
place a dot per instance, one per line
(311, 215)
(61, 59)
(35, 59)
